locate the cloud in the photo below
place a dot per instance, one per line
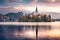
(41, 1)
(5, 10)
(14, 5)
(11, 1)
(24, 2)
(15, 2)
(1, 2)
(49, 1)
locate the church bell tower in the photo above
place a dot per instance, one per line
(36, 10)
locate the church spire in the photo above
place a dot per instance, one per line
(36, 10)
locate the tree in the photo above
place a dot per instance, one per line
(49, 18)
(45, 18)
(23, 18)
(37, 18)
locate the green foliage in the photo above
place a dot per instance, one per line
(37, 18)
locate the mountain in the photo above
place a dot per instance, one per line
(14, 16)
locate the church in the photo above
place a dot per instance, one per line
(35, 16)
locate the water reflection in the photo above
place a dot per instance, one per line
(20, 32)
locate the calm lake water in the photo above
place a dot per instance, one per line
(28, 32)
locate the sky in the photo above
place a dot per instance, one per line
(29, 6)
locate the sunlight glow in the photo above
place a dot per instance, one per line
(29, 34)
(55, 33)
(32, 34)
(51, 0)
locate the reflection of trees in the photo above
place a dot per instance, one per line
(11, 29)
(45, 27)
(27, 28)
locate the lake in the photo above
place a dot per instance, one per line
(27, 30)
